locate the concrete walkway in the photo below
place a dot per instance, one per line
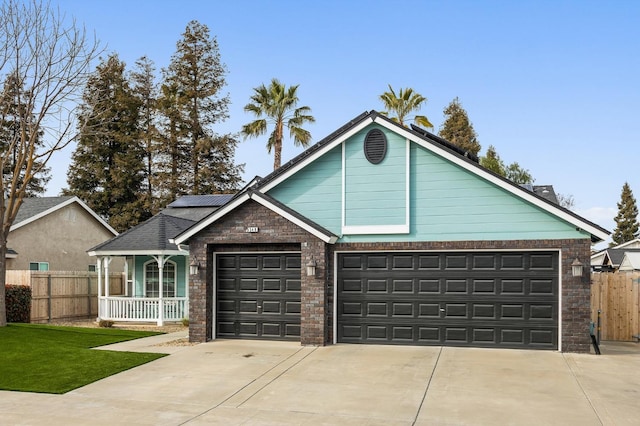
(240, 382)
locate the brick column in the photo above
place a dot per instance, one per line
(313, 297)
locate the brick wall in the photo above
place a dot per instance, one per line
(277, 233)
(575, 309)
(274, 234)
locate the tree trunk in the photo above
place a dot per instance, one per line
(3, 279)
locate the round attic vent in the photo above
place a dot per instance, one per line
(375, 146)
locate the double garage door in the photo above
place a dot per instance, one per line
(485, 299)
(258, 296)
(498, 299)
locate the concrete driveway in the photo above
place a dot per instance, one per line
(239, 382)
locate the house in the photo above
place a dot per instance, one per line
(156, 270)
(611, 258)
(381, 234)
(52, 233)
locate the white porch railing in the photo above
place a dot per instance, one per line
(143, 309)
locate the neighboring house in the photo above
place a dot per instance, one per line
(381, 234)
(157, 271)
(611, 258)
(52, 233)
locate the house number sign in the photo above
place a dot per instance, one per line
(251, 229)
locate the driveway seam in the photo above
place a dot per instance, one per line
(573, 374)
(424, 395)
(252, 382)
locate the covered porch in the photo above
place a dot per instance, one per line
(156, 273)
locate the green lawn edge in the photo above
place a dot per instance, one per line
(57, 359)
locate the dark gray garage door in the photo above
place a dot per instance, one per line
(498, 299)
(258, 296)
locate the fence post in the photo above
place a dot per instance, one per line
(88, 296)
(49, 296)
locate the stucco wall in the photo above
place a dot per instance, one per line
(62, 239)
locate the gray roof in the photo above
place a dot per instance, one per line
(37, 205)
(211, 200)
(545, 191)
(152, 235)
(191, 213)
(616, 255)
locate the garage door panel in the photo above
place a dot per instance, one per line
(501, 299)
(258, 296)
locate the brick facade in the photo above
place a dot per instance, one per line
(274, 234)
(278, 234)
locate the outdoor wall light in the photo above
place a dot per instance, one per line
(194, 266)
(576, 268)
(311, 268)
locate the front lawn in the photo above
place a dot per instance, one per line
(50, 359)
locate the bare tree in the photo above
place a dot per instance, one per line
(50, 57)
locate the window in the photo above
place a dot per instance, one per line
(92, 268)
(152, 279)
(38, 266)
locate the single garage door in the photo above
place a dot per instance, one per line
(258, 296)
(497, 299)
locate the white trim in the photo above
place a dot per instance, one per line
(375, 229)
(58, 207)
(519, 192)
(138, 253)
(157, 262)
(335, 277)
(379, 229)
(257, 197)
(211, 219)
(329, 146)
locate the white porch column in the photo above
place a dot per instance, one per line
(126, 277)
(186, 289)
(107, 261)
(160, 259)
(99, 266)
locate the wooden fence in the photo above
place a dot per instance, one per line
(617, 296)
(63, 295)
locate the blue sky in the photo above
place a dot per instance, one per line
(553, 85)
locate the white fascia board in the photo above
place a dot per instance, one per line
(302, 224)
(137, 253)
(58, 207)
(497, 181)
(337, 141)
(180, 239)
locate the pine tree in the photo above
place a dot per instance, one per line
(627, 218)
(13, 108)
(107, 169)
(191, 105)
(145, 89)
(457, 128)
(493, 162)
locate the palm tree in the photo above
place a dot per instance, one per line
(276, 104)
(405, 102)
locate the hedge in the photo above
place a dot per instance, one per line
(18, 303)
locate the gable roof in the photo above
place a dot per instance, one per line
(630, 261)
(149, 237)
(424, 139)
(209, 200)
(268, 202)
(35, 208)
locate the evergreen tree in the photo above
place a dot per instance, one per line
(514, 172)
(13, 109)
(145, 89)
(457, 128)
(627, 218)
(191, 105)
(107, 169)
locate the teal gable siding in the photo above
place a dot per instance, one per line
(447, 202)
(375, 194)
(316, 191)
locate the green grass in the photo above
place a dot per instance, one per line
(50, 359)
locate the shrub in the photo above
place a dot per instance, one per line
(185, 322)
(18, 303)
(105, 323)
